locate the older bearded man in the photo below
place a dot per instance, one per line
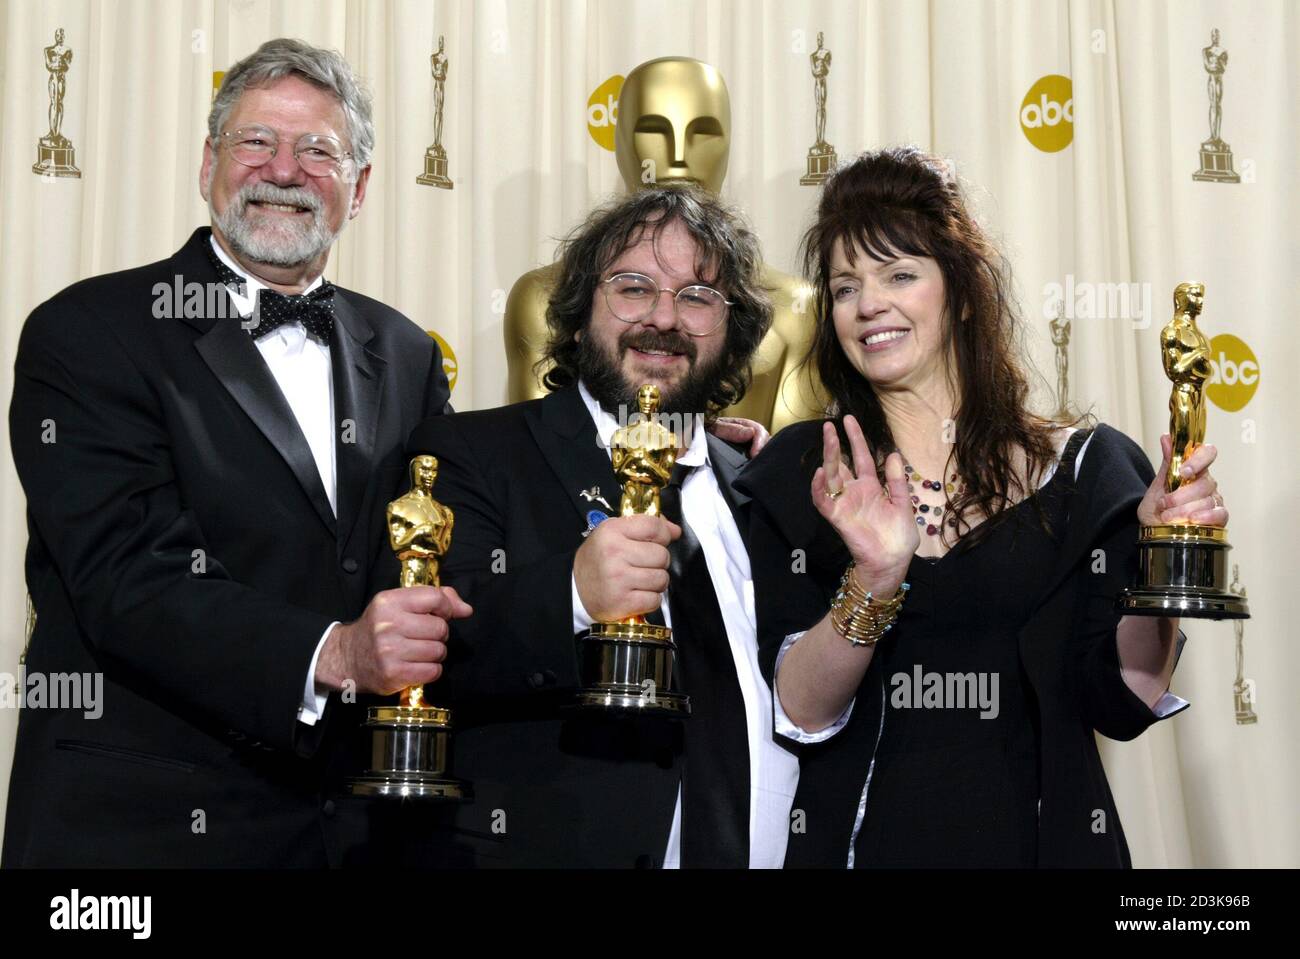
(205, 496)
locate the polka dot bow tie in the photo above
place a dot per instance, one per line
(315, 310)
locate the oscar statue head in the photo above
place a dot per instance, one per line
(424, 470)
(1189, 298)
(647, 400)
(674, 125)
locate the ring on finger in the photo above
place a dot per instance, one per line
(834, 493)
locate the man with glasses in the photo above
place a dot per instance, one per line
(660, 288)
(206, 492)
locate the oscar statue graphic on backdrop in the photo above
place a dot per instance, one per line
(1243, 689)
(435, 158)
(408, 754)
(1216, 156)
(821, 155)
(1061, 340)
(54, 153)
(628, 665)
(1182, 566)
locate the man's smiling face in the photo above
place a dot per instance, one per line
(618, 357)
(277, 213)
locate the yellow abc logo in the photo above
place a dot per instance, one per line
(1234, 375)
(1047, 113)
(449, 366)
(602, 111)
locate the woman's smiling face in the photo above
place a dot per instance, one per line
(889, 316)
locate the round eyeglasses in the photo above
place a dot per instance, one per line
(632, 297)
(316, 153)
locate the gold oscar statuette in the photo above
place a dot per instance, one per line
(408, 754)
(1183, 567)
(628, 665)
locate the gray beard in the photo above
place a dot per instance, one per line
(260, 239)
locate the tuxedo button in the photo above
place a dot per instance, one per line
(328, 808)
(350, 565)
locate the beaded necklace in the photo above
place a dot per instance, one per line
(924, 512)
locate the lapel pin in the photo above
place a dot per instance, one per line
(593, 496)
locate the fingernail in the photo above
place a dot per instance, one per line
(1185, 471)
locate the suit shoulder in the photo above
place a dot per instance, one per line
(783, 467)
(1113, 460)
(475, 428)
(88, 309)
(386, 320)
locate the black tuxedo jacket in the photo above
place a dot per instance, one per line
(551, 788)
(181, 543)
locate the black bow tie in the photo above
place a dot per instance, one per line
(315, 310)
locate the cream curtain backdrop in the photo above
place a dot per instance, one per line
(1117, 205)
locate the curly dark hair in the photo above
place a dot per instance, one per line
(902, 201)
(729, 259)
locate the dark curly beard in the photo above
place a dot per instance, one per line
(603, 375)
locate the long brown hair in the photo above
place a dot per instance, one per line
(899, 202)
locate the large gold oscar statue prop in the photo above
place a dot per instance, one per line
(1183, 567)
(674, 126)
(628, 665)
(408, 755)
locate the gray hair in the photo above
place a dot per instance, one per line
(283, 57)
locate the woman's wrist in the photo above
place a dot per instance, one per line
(882, 583)
(863, 616)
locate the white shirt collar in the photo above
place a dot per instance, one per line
(697, 454)
(245, 303)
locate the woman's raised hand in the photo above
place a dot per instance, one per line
(875, 522)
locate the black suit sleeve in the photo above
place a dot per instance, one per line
(1108, 705)
(519, 641)
(93, 453)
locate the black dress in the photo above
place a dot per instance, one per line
(960, 725)
(938, 766)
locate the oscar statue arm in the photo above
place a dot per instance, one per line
(1191, 352)
(526, 333)
(405, 527)
(784, 389)
(522, 626)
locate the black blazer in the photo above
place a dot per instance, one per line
(551, 789)
(1067, 648)
(181, 543)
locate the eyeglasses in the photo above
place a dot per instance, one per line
(316, 153)
(632, 297)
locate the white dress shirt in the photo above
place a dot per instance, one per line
(773, 771)
(301, 367)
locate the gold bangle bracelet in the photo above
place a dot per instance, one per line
(858, 616)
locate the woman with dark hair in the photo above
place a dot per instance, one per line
(936, 610)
